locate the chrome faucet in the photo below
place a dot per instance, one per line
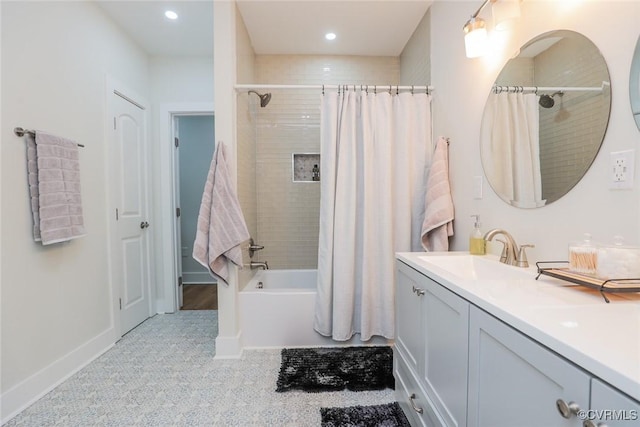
(511, 254)
(258, 264)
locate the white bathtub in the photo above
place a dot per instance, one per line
(280, 314)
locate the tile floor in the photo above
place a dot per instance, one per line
(163, 374)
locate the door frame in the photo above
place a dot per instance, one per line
(166, 268)
(115, 87)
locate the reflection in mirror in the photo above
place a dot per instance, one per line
(634, 84)
(545, 119)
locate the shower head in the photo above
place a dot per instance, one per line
(547, 101)
(264, 99)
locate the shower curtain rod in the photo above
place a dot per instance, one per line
(536, 89)
(239, 87)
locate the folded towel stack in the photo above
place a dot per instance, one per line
(54, 187)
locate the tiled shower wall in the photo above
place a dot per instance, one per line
(566, 151)
(288, 211)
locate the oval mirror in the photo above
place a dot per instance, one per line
(545, 119)
(634, 84)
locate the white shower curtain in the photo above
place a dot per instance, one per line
(512, 158)
(375, 149)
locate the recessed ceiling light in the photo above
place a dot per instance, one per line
(171, 14)
(330, 36)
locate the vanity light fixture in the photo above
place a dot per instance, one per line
(476, 38)
(171, 15)
(505, 12)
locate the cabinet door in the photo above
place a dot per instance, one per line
(445, 322)
(611, 408)
(514, 381)
(409, 336)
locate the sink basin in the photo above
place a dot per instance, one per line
(472, 267)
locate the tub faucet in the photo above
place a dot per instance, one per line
(258, 264)
(510, 253)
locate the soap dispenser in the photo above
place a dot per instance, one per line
(477, 244)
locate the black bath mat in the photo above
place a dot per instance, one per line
(388, 415)
(336, 368)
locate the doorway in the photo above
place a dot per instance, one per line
(194, 138)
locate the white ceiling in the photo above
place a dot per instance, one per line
(144, 20)
(373, 27)
(363, 27)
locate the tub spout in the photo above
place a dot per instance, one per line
(258, 264)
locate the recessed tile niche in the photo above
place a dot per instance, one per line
(303, 166)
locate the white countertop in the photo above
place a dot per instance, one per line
(573, 321)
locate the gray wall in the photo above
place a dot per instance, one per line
(197, 143)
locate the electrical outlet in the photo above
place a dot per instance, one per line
(622, 168)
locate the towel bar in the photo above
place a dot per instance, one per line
(21, 132)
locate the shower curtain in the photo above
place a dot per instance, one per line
(375, 149)
(512, 157)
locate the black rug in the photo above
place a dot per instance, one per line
(389, 415)
(336, 368)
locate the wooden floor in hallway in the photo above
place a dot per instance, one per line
(200, 297)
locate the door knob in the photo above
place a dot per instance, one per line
(144, 224)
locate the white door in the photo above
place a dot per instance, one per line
(130, 201)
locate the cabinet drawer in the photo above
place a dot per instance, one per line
(412, 398)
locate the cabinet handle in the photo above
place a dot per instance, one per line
(567, 410)
(418, 291)
(415, 408)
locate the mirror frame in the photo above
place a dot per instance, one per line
(634, 84)
(606, 85)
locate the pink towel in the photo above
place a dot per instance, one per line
(438, 216)
(54, 187)
(221, 226)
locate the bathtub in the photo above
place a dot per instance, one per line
(277, 310)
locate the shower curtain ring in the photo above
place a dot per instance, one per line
(397, 90)
(390, 87)
(375, 89)
(322, 90)
(411, 89)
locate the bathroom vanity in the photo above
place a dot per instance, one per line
(480, 343)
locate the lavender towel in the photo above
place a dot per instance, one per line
(438, 218)
(54, 187)
(221, 226)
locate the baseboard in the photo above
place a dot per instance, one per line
(197, 278)
(229, 347)
(27, 392)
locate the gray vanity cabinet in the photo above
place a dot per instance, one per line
(430, 358)
(514, 381)
(611, 408)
